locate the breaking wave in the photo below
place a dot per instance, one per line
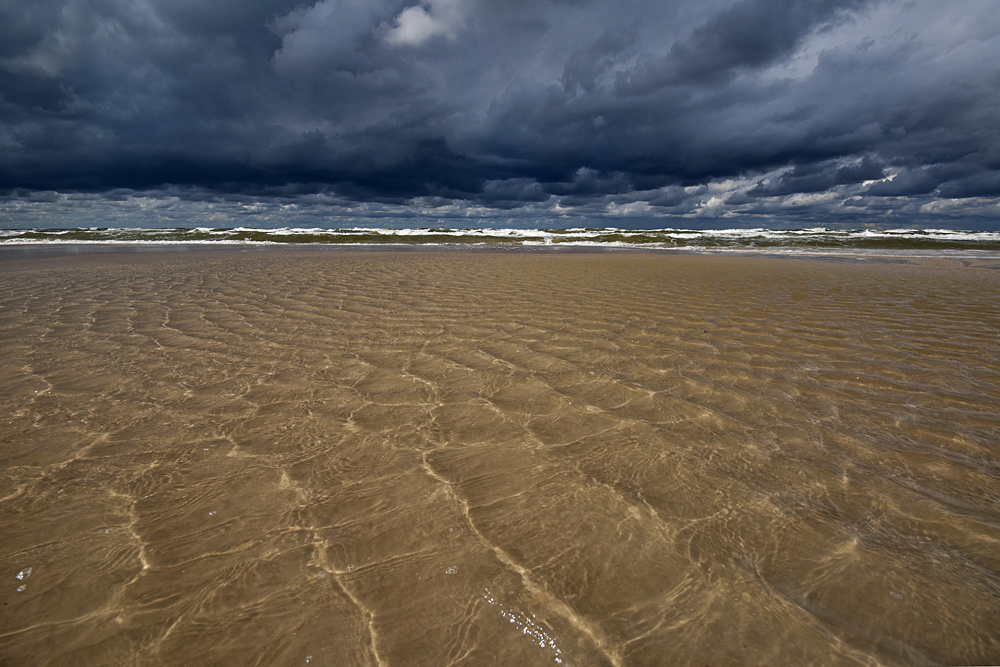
(796, 241)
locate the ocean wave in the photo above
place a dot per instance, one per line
(817, 240)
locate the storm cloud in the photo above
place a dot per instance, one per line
(466, 112)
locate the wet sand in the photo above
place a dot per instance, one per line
(440, 458)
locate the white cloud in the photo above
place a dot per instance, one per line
(713, 207)
(810, 199)
(627, 210)
(432, 18)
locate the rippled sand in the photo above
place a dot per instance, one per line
(434, 458)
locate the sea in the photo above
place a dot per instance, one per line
(817, 240)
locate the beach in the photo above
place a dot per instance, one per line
(455, 456)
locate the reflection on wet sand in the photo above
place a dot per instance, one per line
(442, 458)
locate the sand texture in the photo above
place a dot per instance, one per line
(290, 457)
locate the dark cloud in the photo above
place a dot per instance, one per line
(819, 178)
(950, 181)
(763, 110)
(983, 184)
(746, 35)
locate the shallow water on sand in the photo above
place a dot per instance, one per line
(432, 458)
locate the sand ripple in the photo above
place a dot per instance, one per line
(442, 458)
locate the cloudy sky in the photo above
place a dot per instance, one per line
(662, 113)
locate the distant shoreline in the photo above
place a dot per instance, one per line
(166, 247)
(29, 252)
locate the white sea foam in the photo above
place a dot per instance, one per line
(813, 241)
(526, 625)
